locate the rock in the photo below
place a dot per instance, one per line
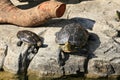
(99, 68)
(12, 59)
(102, 60)
(3, 53)
(45, 63)
(48, 67)
(110, 33)
(11, 63)
(107, 58)
(75, 65)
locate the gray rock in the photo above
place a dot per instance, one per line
(104, 51)
(13, 57)
(45, 61)
(11, 63)
(100, 67)
(3, 52)
(49, 67)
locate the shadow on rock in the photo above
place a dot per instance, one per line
(93, 42)
(86, 23)
(91, 46)
(30, 4)
(33, 3)
(73, 1)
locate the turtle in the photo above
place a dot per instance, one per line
(71, 38)
(33, 40)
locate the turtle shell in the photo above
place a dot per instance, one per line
(73, 33)
(28, 36)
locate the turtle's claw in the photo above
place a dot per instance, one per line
(61, 62)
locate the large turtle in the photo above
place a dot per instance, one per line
(33, 40)
(71, 38)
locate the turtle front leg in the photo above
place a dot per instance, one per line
(60, 58)
(19, 43)
(33, 49)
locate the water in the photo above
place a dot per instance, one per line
(10, 76)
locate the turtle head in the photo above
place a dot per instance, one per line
(68, 47)
(39, 44)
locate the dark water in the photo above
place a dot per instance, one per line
(71, 78)
(75, 78)
(9, 76)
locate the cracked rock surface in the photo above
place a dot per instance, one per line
(98, 16)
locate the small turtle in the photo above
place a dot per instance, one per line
(31, 38)
(71, 38)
